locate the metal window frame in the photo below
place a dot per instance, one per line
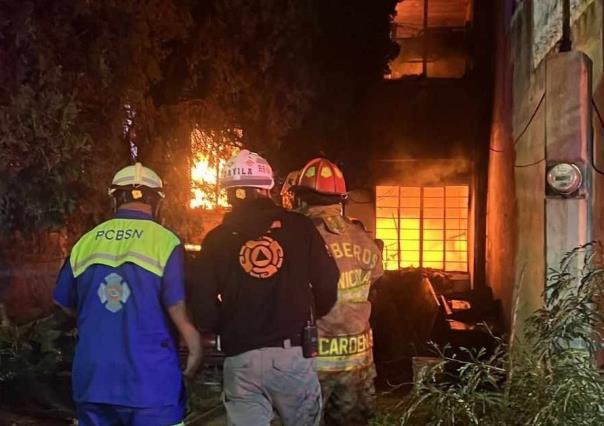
(421, 228)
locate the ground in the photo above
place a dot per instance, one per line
(212, 414)
(8, 419)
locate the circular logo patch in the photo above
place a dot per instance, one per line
(261, 258)
(114, 292)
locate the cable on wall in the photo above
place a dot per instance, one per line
(520, 166)
(526, 126)
(530, 121)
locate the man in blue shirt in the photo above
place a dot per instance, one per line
(124, 282)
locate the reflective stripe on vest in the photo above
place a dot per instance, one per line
(344, 353)
(117, 241)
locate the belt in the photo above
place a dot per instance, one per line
(295, 340)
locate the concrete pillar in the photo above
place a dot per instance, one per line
(568, 136)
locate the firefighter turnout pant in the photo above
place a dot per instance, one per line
(348, 396)
(260, 381)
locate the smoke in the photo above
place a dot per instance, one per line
(423, 172)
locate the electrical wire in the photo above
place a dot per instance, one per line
(526, 126)
(537, 108)
(592, 159)
(593, 153)
(520, 166)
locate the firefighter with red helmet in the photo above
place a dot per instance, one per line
(345, 361)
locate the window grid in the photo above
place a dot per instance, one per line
(423, 226)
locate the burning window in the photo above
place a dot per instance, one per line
(423, 226)
(432, 35)
(211, 150)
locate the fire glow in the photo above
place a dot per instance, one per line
(423, 226)
(210, 152)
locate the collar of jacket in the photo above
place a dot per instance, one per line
(131, 213)
(259, 205)
(324, 211)
(254, 218)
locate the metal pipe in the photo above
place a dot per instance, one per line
(566, 43)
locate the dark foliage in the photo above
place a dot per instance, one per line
(73, 71)
(67, 68)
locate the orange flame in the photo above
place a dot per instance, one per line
(423, 226)
(210, 152)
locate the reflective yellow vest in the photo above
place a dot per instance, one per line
(117, 241)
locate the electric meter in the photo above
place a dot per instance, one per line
(564, 178)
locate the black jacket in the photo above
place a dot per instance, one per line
(258, 274)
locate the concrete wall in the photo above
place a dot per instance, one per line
(501, 199)
(547, 24)
(528, 142)
(517, 223)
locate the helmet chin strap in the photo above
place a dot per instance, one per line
(157, 208)
(299, 206)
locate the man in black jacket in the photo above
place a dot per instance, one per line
(258, 277)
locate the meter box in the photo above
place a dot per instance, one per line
(565, 179)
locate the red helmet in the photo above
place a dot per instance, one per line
(322, 176)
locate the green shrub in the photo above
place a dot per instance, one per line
(547, 377)
(30, 350)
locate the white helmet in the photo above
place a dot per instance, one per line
(247, 169)
(131, 177)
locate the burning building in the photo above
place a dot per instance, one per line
(433, 36)
(423, 226)
(424, 191)
(538, 130)
(429, 126)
